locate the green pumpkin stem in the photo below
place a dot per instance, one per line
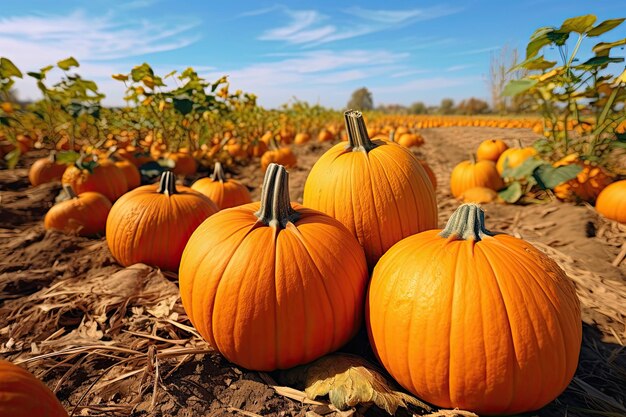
(218, 173)
(167, 185)
(358, 140)
(69, 191)
(466, 223)
(276, 210)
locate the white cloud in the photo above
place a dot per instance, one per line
(402, 16)
(455, 68)
(478, 51)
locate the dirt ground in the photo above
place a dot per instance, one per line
(116, 342)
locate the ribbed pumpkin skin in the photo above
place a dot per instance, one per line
(86, 214)
(468, 175)
(226, 194)
(45, 170)
(271, 299)
(152, 228)
(611, 202)
(493, 327)
(490, 150)
(381, 196)
(429, 172)
(23, 395)
(106, 179)
(131, 173)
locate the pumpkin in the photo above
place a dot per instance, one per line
(302, 138)
(224, 193)
(325, 135)
(152, 223)
(514, 157)
(478, 195)
(46, 170)
(587, 185)
(84, 214)
(410, 140)
(131, 173)
(490, 150)
(429, 171)
(611, 202)
(462, 317)
(282, 156)
(272, 284)
(103, 177)
(184, 163)
(377, 189)
(472, 173)
(23, 395)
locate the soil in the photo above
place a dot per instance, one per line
(111, 341)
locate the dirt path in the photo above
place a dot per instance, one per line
(103, 325)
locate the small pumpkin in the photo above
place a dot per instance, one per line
(46, 170)
(85, 214)
(184, 163)
(225, 193)
(273, 284)
(611, 202)
(377, 189)
(130, 171)
(302, 138)
(462, 317)
(101, 176)
(23, 395)
(479, 195)
(410, 140)
(490, 150)
(152, 223)
(325, 135)
(587, 185)
(514, 157)
(278, 155)
(471, 173)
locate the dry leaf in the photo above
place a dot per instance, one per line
(350, 380)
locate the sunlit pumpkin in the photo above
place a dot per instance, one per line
(462, 317)
(103, 177)
(471, 173)
(273, 284)
(514, 157)
(377, 189)
(478, 195)
(490, 150)
(184, 164)
(611, 202)
(225, 193)
(46, 170)
(84, 214)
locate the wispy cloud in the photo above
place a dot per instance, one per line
(310, 27)
(408, 73)
(455, 68)
(478, 51)
(259, 12)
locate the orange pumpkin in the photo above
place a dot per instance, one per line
(302, 138)
(611, 202)
(84, 214)
(490, 150)
(23, 395)
(45, 170)
(514, 157)
(225, 193)
(131, 173)
(410, 140)
(429, 171)
(325, 135)
(152, 223)
(103, 177)
(479, 195)
(260, 282)
(472, 173)
(587, 185)
(377, 189)
(282, 156)
(185, 164)
(465, 318)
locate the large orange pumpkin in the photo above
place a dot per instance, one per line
(472, 173)
(273, 284)
(46, 170)
(225, 193)
(611, 202)
(104, 177)
(23, 395)
(152, 223)
(465, 318)
(490, 150)
(514, 157)
(377, 189)
(85, 214)
(429, 172)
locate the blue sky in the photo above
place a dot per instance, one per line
(402, 51)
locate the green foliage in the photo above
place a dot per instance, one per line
(361, 100)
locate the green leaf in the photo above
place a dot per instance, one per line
(579, 24)
(141, 71)
(605, 27)
(536, 63)
(67, 157)
(4, 121)
(183, 106)
(68, 63)
(603, 48)
(512, 193)
(517, 87)
(549, 177)
(8, 69)
(524, 170)
(120, 77)
(536, 44)
(36, 75)
(558, 38)
(599, 61)
(12, 158)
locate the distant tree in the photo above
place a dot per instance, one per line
(392, 109)
(473, 106)
(500, 75)
(446, 106)
(361, 100)
(418, 108)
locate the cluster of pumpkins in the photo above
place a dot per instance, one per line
(460, 317)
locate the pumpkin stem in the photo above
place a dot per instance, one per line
(69, 191)
(53, 156)
(472, 158)
(218, 173)
(466, 223)
(167, 185)
(276, 210)
(358, 139)
(392, 135)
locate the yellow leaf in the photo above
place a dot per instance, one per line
(120, 77)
